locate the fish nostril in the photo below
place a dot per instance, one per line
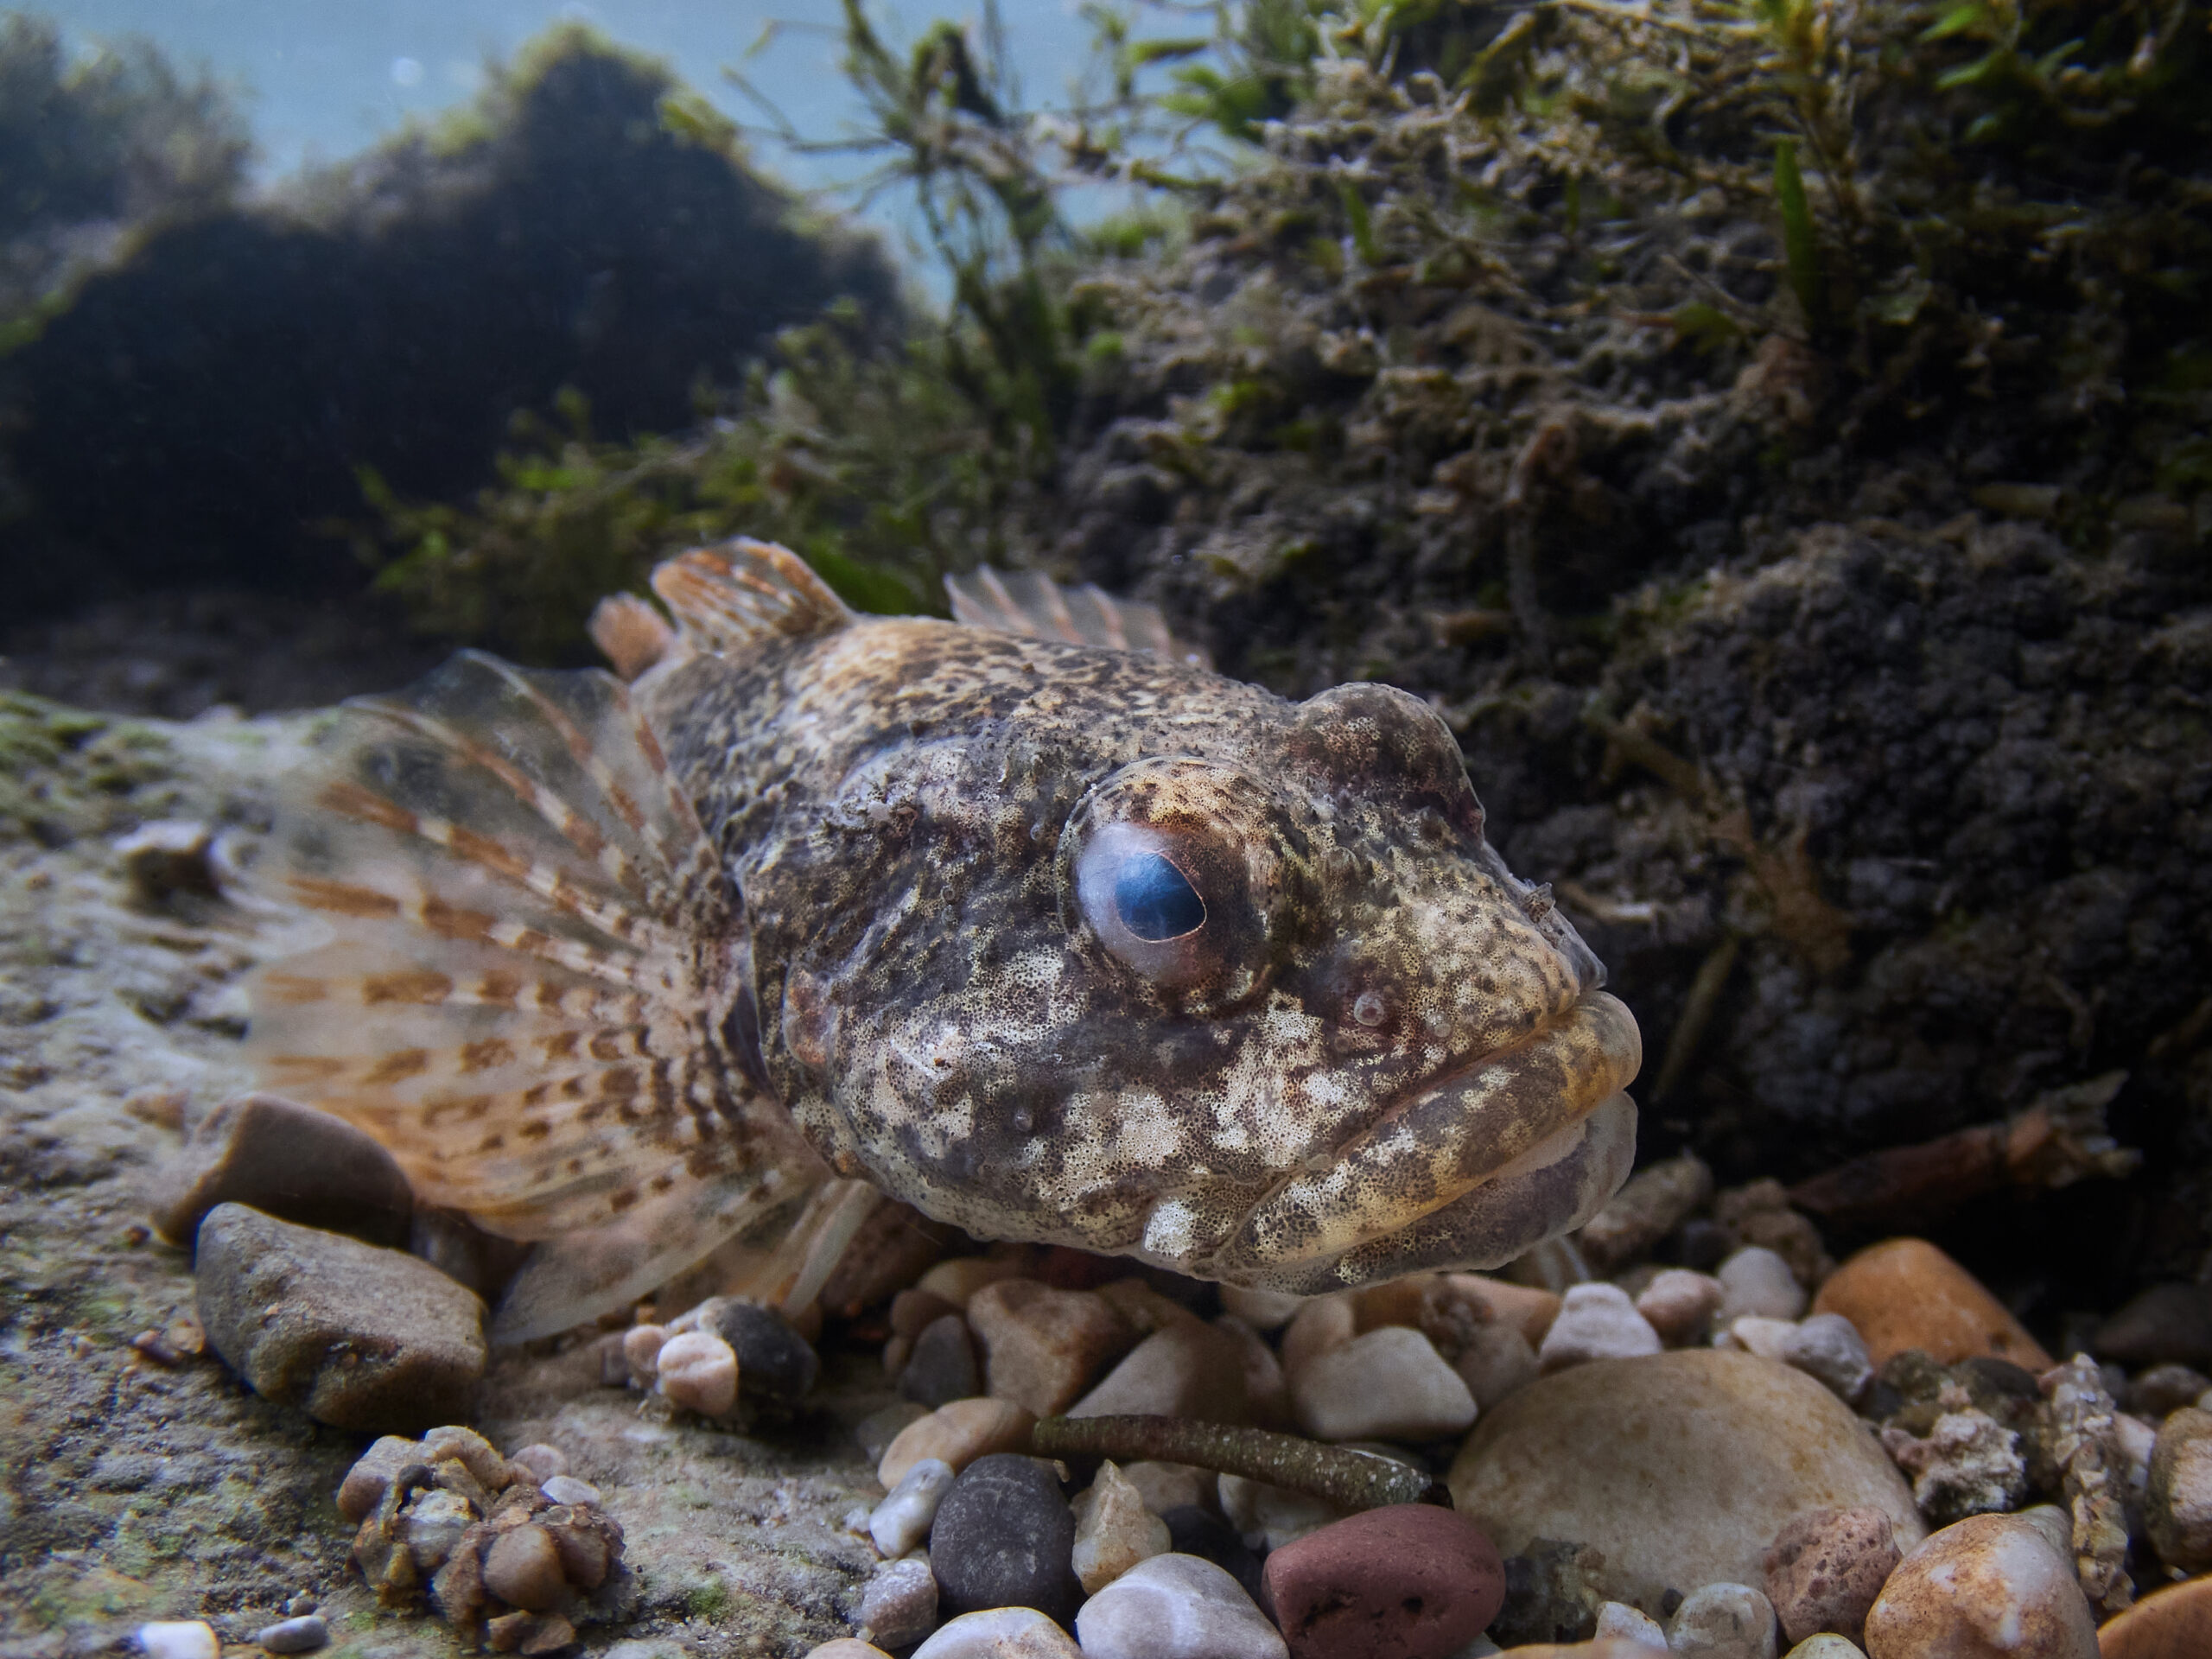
(1366, 1009)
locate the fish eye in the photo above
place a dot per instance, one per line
(1156, 901)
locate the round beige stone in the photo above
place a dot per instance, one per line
(1989, 1587)
(1679, 1468)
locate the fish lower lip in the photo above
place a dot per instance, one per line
(1447, 1139)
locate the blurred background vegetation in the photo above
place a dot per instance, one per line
(501, 366)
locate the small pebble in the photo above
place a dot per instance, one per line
(1495, 1361)
(2178, 1501)
(1530, 1308)
(1263, 1310)
(1176, 1607)
(2165, 1324)
(1828, 1645)
(898, 1603)
(1000, 1633)
(1195, 1531)
(302, 1635)
(962, 1277)
(1680, 1305)
(1043, 1347)
(1326, 1322)
(361, 1338)
(1113, 1530)
(1618, 1618)
(1268, 1517)
(1724, 1621)
(902, 1521)
(1182, 1370)
(179, 1638)
(2165, 1388)
(1757, 1281)
(302, 1604)
(1004, 1537)
(1595, 1322)
(543, 1461)
(942, 1366)
(2174, 1624)
(775, 1363)
(1390, 1384)
(286, 1160)
(1825, 1569)
(874, 1433)
(1990, 1587)
(841, 1647)
(1412, 1580)
(1828, 1348)
(1906, 1293)
(957, 1434)
(566, 1489)
(431, 1526)
(523, 1568)
(1655, 1201)
(697, 1370)
(371, 1476)
(914, 1310)
(1165, 1486)
(1755, 1333)
(641, 1346)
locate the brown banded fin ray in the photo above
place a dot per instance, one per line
(534, 961)
(727, 597)
(1031, 603)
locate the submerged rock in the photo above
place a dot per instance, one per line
(1677, 1469)
(358, 1338)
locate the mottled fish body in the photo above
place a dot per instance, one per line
(1076, 943)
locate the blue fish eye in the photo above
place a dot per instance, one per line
(1155, 900)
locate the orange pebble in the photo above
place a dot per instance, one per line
(1904, 1294)
(2175, 1623)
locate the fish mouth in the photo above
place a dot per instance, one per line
(1469, 1170)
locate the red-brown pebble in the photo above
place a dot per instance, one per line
(2175, 1623)
(1905, 1294)
(1414, 1581)
(1825, 1569)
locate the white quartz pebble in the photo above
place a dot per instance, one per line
(1113, 1530)
(1828, 1348)
(179, 1638)
(1000, 1633)
(1756, 1280)
(1618, 1618)
(1595, 1322)
(1175, 1607)
(698, 1370)
(902, 1521)
(1756, 1334)
(1826, 1645)
(1390, 1384)
(1724, 1621)
(566, 1489)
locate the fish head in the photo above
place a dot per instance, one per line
(1274, 1014)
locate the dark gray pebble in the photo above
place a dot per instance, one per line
(1194, 1531)
(295, 1635)
(286, 1160)
(2166, 1325)
(942, 1368)
(774, 1363)
(1004, 1537)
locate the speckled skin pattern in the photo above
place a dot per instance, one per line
(1382, 1053)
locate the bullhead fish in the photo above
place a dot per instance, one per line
(1027, 918)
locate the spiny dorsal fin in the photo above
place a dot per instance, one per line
(534, 965)
(631, 634)
(730, 597)
(1028, 602)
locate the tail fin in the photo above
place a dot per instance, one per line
(1027, 603)
(535, 981)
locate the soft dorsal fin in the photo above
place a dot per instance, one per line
(1028, 602)
(730, 597)
(631, 634)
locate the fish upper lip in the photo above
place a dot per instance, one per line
(1591, 1006)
